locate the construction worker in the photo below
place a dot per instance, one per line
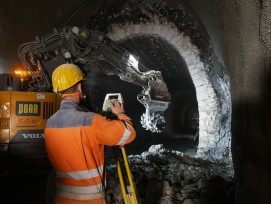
(75, 140)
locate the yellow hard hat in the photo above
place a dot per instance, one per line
(66, 76)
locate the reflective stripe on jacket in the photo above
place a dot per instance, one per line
(75, 142)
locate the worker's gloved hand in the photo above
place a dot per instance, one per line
(116, 107)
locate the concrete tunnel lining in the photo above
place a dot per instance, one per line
(211, 146)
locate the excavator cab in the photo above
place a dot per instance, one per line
(23, 114)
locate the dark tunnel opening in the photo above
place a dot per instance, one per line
(157, 54)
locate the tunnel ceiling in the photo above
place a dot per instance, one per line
(22, 21)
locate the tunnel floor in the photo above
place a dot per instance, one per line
(160, 175)
(186, 144)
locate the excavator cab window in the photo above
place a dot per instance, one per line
(14, 82)
(9, 82)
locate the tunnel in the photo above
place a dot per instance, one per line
(180, 62)
(214, 57)
(174, 41)
(200, 98)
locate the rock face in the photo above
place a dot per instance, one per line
(169, 177)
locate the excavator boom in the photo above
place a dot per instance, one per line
(97, 52)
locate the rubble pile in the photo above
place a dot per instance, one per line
(168, 177)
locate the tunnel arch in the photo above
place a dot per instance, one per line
(179, 26)
(209, 146)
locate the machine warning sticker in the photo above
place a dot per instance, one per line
(40, 96)
(27, 108)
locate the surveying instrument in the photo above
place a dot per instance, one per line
(128, 187)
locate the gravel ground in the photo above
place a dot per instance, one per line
(167, 176)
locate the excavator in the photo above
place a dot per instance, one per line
(28, 101)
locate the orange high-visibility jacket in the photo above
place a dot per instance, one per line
(75, 142)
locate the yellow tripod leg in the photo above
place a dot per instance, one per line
(132, 194)
(128, 189)
(122, 184)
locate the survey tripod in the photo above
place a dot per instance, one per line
(128, 187)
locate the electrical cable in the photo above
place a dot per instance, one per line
(83, 4)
